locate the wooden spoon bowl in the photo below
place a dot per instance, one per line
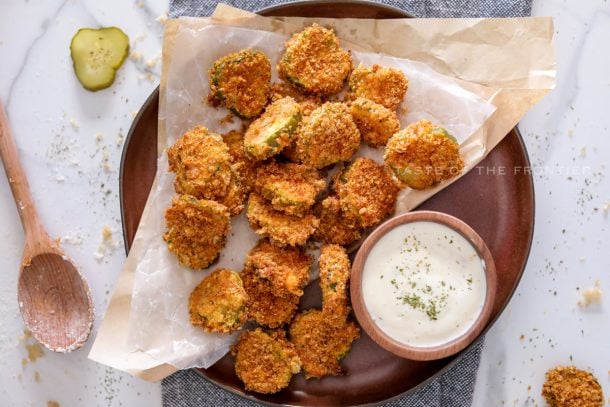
(54, 298)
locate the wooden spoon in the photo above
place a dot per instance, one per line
(53, 296)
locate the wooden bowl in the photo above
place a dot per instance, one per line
(399, 348)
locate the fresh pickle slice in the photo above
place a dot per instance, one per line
(97, 54)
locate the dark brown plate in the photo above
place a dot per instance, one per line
(498, 205)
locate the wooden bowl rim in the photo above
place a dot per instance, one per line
(414, 352)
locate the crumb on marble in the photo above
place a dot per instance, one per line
(37, 378)
(583, 151)
(134, 113)
(136, 56)
(228, 119)
(591, 295)
(161, 19)
(52, 403)
(74, 124)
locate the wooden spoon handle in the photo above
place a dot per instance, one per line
(17, 179)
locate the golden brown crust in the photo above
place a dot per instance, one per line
(567, 386)
(265, 361)
(264, 306)
(285, 268)
(366, 192)
(291, 188)
(281, 228)
(242, 163)
(202, 164)
(334, 227)
(218, 303)
(423, 154)
(273, 130)
(196, 230)
(334, 274)
(241, 82)
(321, 342)
(383, 85)
(314, 61)
(327, 136)
(376, 122)
(307, 102)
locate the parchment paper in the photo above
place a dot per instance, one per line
(509, 62)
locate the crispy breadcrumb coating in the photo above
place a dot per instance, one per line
(218, 303)
(282, 228)
(376, 122)
(235, 196)
(265, 305)
(196, 230)
(243, 164)
(321, 342)
(273, 130)
(291, 188)
(327, 136)
(383, 85)
(334, 227)
(241, 82)
(423, 154)
(334, 274)
(265, 361)
(285, 268)
(567, 386)
(366, 192)
(315, 62)
(307, 102)
(202, 164)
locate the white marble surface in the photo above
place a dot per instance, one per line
(73, 174)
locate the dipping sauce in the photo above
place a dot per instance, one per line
(423, 284)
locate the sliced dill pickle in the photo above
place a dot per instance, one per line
(97, 54)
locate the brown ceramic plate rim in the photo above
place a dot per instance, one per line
(155, 94)
(375, 332)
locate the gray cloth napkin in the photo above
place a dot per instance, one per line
(454, 388)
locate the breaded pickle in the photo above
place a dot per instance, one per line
(366, 192)
(314, 61)
(241, 82)
(280, 227)
(196, 230)
(423, 154)
(327, 136)
(218, 303)
(202, 164)
(376, 122)
(265, 361)
(383, 85)
(273, 130)
(291, 188)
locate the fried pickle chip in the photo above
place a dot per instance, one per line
(334, 227)
(423, 154)
(280, 227)
(273, 130)
(567, 386)
(321, 342)
(235, 196)
(291, 188)
(218, 303)
(376, 122)
(307, 102)
(327, 136)
(265, 306)
(243, 164)
(265, 361)
(334, 275)
(285, 268)
(202, 164)
(241, 82)
(366, 192)
(383, 85)
(196, 230)
(314, 61)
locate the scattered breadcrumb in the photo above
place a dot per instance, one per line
(152, 62)
(107, 245)
(107, 233)
(162, 18)
(53, 404)
(134, 113)
(228, 119)
(591, 295)
(567, 386)
(583, 151)
(606, 208)
(72, 239)
(34, 349)
(74, 124)
(37, 377)
(136, 56)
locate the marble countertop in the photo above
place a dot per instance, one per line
(70, 142)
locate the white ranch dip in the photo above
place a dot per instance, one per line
(423, 284)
